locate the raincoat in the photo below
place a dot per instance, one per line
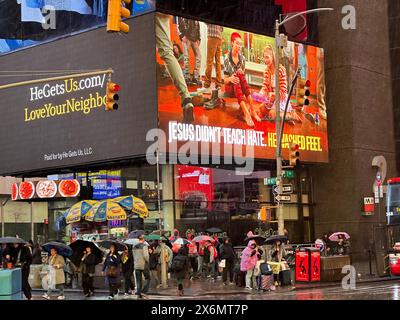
(248, 259)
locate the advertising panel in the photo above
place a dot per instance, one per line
(196, 185)
(45, 189)
(63, 123)
(242, 112)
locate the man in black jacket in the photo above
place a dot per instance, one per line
(127, 270)
(23, 260)
(227, 253)
(189, 33)
(88, 268)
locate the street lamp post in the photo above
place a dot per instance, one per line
(279, 172)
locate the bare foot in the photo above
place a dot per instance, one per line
(255, 115)
(248, 120)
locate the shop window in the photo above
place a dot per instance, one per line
(306, 211)
(290, 212)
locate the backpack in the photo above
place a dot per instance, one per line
(178, 264)
(206, 255)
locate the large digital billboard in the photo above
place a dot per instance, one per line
(63, 123)
(240, 65)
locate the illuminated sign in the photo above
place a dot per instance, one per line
(45, 189)
(222, 125)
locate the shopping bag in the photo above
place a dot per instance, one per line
(51, 278)
(275, 266)
(222, 263)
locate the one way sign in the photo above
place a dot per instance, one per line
(281, 197)
(286, 188)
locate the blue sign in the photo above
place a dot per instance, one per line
(106, 188)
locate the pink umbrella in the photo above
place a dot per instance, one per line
(335, 236)
(203, 238)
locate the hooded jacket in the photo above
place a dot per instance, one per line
(141, 256)
(248, 257)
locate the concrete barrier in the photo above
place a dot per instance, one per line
(331, 267)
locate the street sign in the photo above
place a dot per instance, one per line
(286, 188)
(369, 205)
(288, 174)
(270, 181)
(281, 197)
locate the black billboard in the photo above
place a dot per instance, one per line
(63, 123)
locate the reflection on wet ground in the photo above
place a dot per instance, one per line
(373, 291)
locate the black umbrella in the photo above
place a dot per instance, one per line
(272, 239)
(79, 246)
(107, 244)
(214, 230)
(62, 249)
(11, 240)
(135, 234)
(258, 239)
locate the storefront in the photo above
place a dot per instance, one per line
(68, 134)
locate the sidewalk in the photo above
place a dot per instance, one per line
(205, 287)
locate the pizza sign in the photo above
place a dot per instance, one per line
(45, 189)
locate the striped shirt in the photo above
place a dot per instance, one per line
(269, 83)
(214, 31)
(230, 67)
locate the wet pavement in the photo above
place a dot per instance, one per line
(209, 290)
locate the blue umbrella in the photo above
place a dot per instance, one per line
(135, 234)
(62, 249)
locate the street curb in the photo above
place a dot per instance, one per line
(338, 284)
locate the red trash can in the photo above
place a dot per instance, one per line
(308, 262)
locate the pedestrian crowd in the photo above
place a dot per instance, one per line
(153, 264)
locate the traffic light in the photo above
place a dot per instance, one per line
(303, 92)
(294, 154)
(112, 96)
(116, 11)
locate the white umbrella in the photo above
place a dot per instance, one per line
(134, 242)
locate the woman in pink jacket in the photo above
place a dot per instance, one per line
(249, 257)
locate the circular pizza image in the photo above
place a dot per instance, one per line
(14, 191)
(69, 188)
(26, 190)
(46, 189)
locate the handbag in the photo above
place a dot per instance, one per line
(265, 269)
(284, 266)
(111, 272)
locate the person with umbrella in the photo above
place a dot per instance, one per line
(180, 267)
(7, 256)
(88, 264)
(153, 264)
(249, 257)
(127, 270)
(328, 245)
(141, 262)
(342, 245)
(227, 253)
(111, 270)
(56, 274)
(192, 256)
(23, 260)
(37, 254)
(165, 256)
